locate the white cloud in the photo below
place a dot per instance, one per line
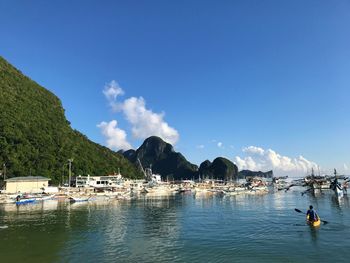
(345, 167)
(220, 145)
(201, 146)
(144, 122)
(116, 138)
(111, 91)
(253, 149)
(259, 159)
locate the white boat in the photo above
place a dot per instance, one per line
(79, 199)
(339, 191)
(7, 200)
(160, 189)
(237, 190)
(136, 187)
(44, 197)
(337, 188)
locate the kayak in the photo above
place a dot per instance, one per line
(313, 223)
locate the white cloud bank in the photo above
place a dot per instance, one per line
(115, 137)
(144, 122)
(259, 159)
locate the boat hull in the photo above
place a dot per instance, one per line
(313, 223)
(25, 201)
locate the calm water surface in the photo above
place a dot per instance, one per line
(179, 228)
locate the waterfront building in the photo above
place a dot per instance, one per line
(26, 184)
(108, 181)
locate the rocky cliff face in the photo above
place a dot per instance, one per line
(163, 160)
(220, 168)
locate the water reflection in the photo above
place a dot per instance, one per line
(314, 234)
(35, 232)
(180, 228)
(27, 208)
(340, 203)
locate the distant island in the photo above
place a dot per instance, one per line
(171, 165)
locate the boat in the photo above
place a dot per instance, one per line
(25, 201)
(158, 189)
(336, 186)
(339, 191)
(44, 197)
(280, 183)
(79, 199)
(313, 223)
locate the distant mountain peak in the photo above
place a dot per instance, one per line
(160, 155)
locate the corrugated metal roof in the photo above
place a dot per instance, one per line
(27, 178)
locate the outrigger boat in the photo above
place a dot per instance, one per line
(336, 186)
(44, 197)
(25, 201)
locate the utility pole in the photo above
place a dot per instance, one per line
(63, 174)
(4, 171)
(70, 171)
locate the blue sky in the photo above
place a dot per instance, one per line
(269, 74)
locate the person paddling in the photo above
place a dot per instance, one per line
(311, 214)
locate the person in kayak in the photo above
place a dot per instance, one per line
(312, 215)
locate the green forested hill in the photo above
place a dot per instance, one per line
(36, 138)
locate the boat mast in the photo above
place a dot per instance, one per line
(143, 171)
(70, 172)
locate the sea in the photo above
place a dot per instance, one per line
(185, 227)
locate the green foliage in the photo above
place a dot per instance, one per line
(36, 138)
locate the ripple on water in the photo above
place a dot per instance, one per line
(181, 228)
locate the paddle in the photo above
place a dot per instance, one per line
(299, 211)
(306, 191)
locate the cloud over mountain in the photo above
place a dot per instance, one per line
(144, 122)
(116, 138)
(259, 159)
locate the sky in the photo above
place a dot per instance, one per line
(265, 84)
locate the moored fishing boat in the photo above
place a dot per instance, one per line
(24, 201)
(337, 186)
(44, 197)
(79, 199)
(339, 191)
